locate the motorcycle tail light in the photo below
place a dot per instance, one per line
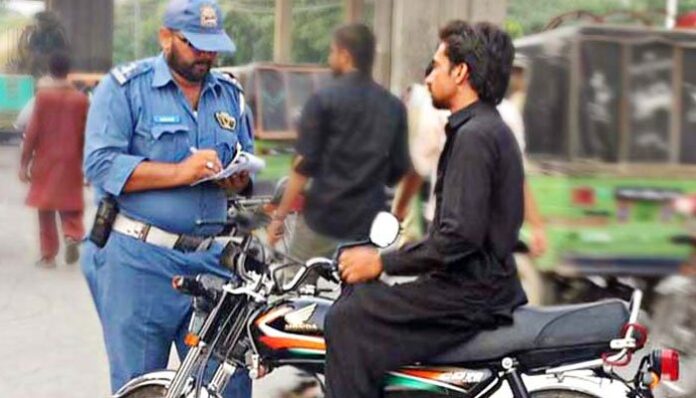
(666, 363)
(670, 365)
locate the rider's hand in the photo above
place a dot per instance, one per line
(538, 242)
(275, 231)
(360, 264)
(201, 164)
(236, 182)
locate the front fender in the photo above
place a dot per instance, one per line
(162, 378)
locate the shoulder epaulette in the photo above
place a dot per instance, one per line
(123, 73)
(229, 78)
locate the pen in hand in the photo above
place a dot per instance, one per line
(209, 165)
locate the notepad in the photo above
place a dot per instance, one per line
(243, 161)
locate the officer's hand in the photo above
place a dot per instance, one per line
(201, 164)
(236, 182)
(24, 174)
(275, 231)
(360, 264)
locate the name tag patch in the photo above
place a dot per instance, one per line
(167, 119)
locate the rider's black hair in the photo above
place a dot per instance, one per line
(488, 53)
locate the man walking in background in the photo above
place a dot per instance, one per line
(352, 142)
(52, 162)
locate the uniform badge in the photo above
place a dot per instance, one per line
(225, 121)
(208, 17)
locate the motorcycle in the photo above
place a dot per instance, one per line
(259, 323)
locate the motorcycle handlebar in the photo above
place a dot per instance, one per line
(196, 287)
(325, 267)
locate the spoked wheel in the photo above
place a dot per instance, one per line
(147, 392)
(560, 393)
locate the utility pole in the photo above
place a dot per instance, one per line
(672, 7)
(383, 36)
(136, 29)
(407, 34)
(354, 10)
(90, 28)
(282, 34)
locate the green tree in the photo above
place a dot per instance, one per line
(250, 23)
(252, 33)
(251, 26)
(137, 37)
(311, 33)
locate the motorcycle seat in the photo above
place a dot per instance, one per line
(542, 328)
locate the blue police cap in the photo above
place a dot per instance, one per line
(200, 21)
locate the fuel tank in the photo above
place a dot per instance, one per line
(292, 329)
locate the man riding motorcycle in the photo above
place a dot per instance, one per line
(467, 275)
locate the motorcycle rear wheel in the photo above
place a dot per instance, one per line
(161, 392)
(147, 392)
(560, 393)
(556, 393)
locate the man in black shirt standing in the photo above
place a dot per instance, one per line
(352, 141)
(467, 278)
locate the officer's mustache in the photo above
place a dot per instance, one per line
(207, 64)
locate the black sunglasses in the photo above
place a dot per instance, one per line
(187, 42)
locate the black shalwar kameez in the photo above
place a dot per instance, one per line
(467, 279)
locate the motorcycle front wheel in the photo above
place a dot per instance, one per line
(147, 392)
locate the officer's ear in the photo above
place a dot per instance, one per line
(166, 38)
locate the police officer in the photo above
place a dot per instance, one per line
(156, 127)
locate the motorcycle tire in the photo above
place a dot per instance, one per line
(147, 392)
(560, 393)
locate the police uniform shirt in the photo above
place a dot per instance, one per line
(138, 114)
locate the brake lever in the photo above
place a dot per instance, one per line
(343, 246)
(329, 272)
